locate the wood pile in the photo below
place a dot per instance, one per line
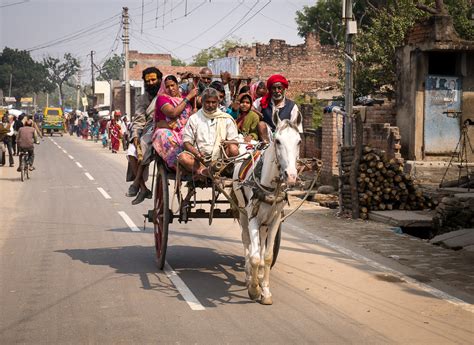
(382, 184)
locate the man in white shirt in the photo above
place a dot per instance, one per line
(204, 133)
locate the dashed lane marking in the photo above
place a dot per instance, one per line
(424, 287)
(89, 176)
(183, 289)
(65, 151)
(71, 157)
(104, 193)
(79, 164)
(127, 220)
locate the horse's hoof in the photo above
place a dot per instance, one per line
(266, 300)
(254, 293)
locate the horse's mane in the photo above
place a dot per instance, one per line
(285, 124)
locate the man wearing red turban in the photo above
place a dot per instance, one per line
(275, 102)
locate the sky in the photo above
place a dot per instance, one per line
(54, 27)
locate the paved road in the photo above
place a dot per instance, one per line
(73, 271)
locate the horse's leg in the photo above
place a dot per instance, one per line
(261, 265)
(272, 231)
(244, 224)
(254, 289)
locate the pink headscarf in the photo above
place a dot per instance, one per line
(163, 92)
(253, 90)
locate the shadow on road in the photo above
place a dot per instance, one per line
(212, 276)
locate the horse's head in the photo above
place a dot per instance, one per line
(287, 142)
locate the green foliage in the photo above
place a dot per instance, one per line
(60, 72)
(112, 68)
(318, 106)
(376, 45)
(177, 62)
(382, 27)
(204, 55)
(462, 11)
(325, 19)
(28, 76)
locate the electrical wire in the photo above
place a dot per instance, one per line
(76, 35)
(224, 17)
(15, 3)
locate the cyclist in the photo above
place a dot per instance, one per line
(26, 139)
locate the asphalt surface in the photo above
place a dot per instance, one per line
(72, 271)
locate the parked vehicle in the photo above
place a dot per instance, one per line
(53, 121)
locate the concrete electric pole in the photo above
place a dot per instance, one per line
(351, 30)
(78, 89)
(93, 78)
(126, 41)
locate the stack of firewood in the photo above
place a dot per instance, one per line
(383, 185)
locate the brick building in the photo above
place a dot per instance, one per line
(308, 66)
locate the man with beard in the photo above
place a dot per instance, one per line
(275, 102)
(140, 148)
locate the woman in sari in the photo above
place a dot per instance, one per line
(257, 90)
(115, 135)
(247, 120)
(171, 114)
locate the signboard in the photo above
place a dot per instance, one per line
(26, 100)
(84, 102)
(10, 99)
(442, 95)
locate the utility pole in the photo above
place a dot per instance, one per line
(78, 89)
(93, 78)
(126, 41)
(351, 30)
(10, 88)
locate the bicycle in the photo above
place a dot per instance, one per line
(24, 165)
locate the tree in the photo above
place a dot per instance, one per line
(112, 69)
(60, 72)
(325, 19)
(177, 62)
(204, 55)
(382, 28)
(27, 75)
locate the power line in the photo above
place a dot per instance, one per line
(73, 36)
(15, 3)
(224, 17)
(241, 24)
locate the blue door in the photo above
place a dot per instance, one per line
(441, 130)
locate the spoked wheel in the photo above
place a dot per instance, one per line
(276, 246)
(161, 215)
(27, 172)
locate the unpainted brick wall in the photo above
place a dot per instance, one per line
(307, 66)
(311, 139)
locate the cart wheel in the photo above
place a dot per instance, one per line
(276, 246)
(161, 215)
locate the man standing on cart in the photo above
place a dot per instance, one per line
(204, 133)
(140, 148)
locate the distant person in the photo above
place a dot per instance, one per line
(26, 140)
(9, 138)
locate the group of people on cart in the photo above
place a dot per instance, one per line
(191, 119)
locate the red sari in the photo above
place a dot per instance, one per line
(114, 135)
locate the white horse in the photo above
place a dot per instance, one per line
(262, 196)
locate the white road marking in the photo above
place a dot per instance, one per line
(104, 193)
(59, 146)
(183, 289)
(89, 176)
(71, 157)
(425, 287)
(127, 220)
(79, 164)
(65, 151)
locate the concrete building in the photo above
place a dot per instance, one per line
(435, 91)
